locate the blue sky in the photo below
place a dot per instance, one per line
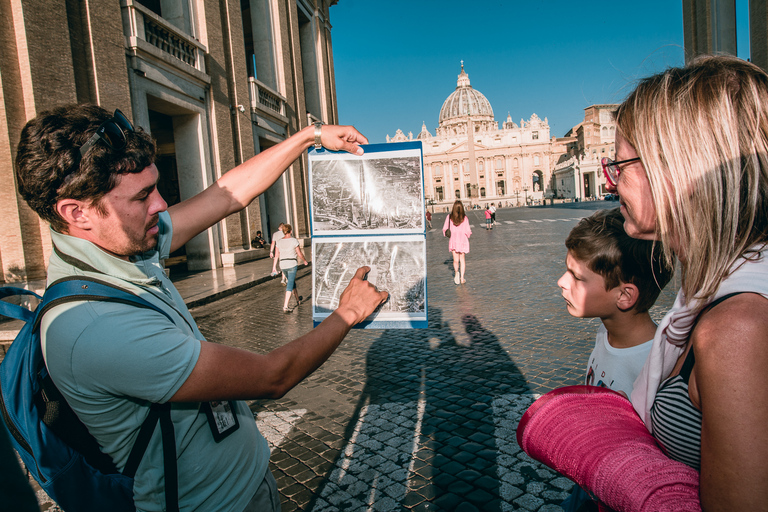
(395, 66)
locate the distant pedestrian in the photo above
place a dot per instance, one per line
(458, 244)
(258, 241)
(493, 214)
(288, 252)
(429, 220)
(488, 218)
(277, 235)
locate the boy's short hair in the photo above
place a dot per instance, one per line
(49, 167)
(601, 242)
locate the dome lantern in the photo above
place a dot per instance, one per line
(464, 103)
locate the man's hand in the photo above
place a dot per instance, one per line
(226, 373)
(342, 138)
(360, 298)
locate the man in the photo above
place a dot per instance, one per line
(277, 235)
(93, 178)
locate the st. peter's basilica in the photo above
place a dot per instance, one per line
(471, 159)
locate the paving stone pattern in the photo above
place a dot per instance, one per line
(425, 419)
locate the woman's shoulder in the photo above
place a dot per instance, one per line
(734, 323)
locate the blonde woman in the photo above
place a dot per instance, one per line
(288, 252)
(458, 243)
(691, 170)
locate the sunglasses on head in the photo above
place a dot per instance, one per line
(112, 132)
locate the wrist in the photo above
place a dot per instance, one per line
(317, 134)
(347, 315)
(308, 136)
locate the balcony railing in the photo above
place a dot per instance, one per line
(144, 29)
(168, 42)
(265, 99)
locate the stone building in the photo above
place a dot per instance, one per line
(214, 82)
(578, 174)
(471, 159)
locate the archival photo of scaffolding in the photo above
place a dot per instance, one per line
(398, 265)
(380, 191)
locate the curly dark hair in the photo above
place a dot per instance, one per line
(48, 164)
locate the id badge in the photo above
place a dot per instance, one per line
(221, 418)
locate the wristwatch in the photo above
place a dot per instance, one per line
(318, 131)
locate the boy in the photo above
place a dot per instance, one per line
(616, 278)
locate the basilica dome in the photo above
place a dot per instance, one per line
(465, 101)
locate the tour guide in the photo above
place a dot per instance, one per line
(93, 178)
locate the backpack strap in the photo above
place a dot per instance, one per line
(169, 454)
(13, 310)
(82, 288)
(161, 412)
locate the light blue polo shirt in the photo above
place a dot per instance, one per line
(112, 360)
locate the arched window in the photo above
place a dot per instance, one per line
(438, 170)
(515, 163)
(455, 168)
(536, 159)
(499, 164)
(482, 191)
(457, 193)
(480, 165)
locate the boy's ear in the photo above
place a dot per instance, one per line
(628, 295)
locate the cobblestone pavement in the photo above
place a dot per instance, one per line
(425, 419)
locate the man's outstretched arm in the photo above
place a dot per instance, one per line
(237, 188)
(226, 373)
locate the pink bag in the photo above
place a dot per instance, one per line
(593, 436)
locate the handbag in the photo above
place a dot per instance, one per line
(448, 232)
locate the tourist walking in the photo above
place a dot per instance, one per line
(277, 235)
(288, 252)
(460, 231)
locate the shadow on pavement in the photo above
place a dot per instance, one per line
(423, 434)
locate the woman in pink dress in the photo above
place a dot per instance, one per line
(459, 242)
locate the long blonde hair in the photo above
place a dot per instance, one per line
(701, 132)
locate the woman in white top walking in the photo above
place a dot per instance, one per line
(288, 252)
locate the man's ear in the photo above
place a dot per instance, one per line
(628, 295)
(75, 213)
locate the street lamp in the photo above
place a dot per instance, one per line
(526, 194)
(517, 196)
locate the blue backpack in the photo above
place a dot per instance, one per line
(55, 446)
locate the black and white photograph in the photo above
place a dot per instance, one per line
(398, 265)
(380, 191)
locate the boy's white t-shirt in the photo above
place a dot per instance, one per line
(615, 368)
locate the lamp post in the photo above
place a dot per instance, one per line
(525, 188)
(517, 197)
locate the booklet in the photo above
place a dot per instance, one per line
(369, 210)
